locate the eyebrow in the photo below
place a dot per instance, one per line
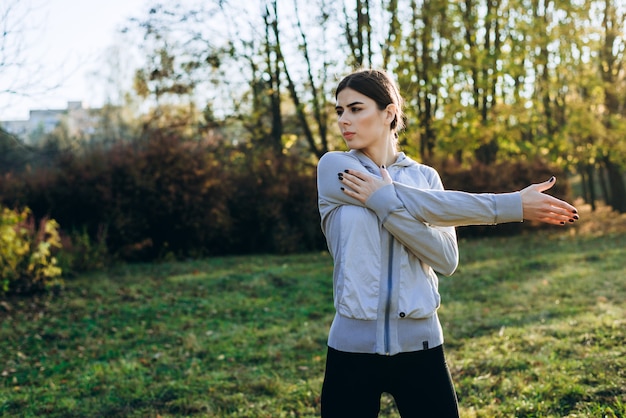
(350, 105)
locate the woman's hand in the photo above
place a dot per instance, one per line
(538, 206)
(361, 185)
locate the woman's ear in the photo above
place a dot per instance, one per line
(390, 113)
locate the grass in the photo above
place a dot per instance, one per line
(535, 326)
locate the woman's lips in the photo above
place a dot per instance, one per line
(348, 135)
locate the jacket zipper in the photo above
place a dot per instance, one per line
(389, 286)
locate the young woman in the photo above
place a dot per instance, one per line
(389, 227)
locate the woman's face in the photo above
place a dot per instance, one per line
(361, 123)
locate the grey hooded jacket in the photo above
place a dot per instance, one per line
(386, 251)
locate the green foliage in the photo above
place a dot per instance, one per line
(13, 153)
(27, 262)
(483, 80)
(82, 253)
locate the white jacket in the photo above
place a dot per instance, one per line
(386, 252)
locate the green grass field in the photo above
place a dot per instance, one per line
(535, 326)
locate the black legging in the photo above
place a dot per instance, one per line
(419, 382)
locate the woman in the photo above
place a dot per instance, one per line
(389, 226)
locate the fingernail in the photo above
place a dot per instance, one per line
(552, 179)
(576, 217)
(383, 166)
(574, 211)
(571, 220)
(345, 171)
(342, 189)
(562, 223)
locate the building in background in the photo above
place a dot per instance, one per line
(80, 123)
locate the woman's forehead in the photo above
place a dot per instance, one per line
(348, 96)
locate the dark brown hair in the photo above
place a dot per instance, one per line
(378, 86)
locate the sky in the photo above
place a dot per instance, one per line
(67, 41)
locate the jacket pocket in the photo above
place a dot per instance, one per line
(357, 269)
(419, 294)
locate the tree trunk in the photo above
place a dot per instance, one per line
(616, 185)
(583, 182)
(272, 56)
(604, 187)
(591, 188)
(359, 39)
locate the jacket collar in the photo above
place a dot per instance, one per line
(401, 161)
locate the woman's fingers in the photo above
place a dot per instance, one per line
(562, 207)
(350, 180)
(541, 207)
(360, 185)
(542, 187)
(351, 185)
(385, 175)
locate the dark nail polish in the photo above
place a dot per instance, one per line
(552, 179)
(575, 211)
(576, 217)
(571, 220)
(345, 171)
(342, 189)
(562, 223)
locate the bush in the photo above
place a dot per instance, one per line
(82, 253)
(167, 197)
(27, 262)
(273, 205)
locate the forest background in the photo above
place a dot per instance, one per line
(213, 151)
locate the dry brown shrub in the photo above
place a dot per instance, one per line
(603, 221)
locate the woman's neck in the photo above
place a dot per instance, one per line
(381, 156)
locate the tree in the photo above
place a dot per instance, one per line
(22, 73)
(426, 52)
(485, 80)
(315, 87)
(612, 68)
(359, 34)
(181, 63)
(13, 153)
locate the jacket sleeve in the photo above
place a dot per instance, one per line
(434, 245)
(456, 208)
(434, 207)
(330, 195)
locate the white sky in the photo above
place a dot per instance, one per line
(67, 41)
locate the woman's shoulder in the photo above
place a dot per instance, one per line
(416, 170)
(424, 169)
(338, 159)
(338, 156)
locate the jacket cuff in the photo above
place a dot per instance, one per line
(383, 201)
(509, 207)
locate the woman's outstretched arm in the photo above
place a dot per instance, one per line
(438, 207)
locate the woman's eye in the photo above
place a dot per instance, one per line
(355, 109)
(339, 112)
